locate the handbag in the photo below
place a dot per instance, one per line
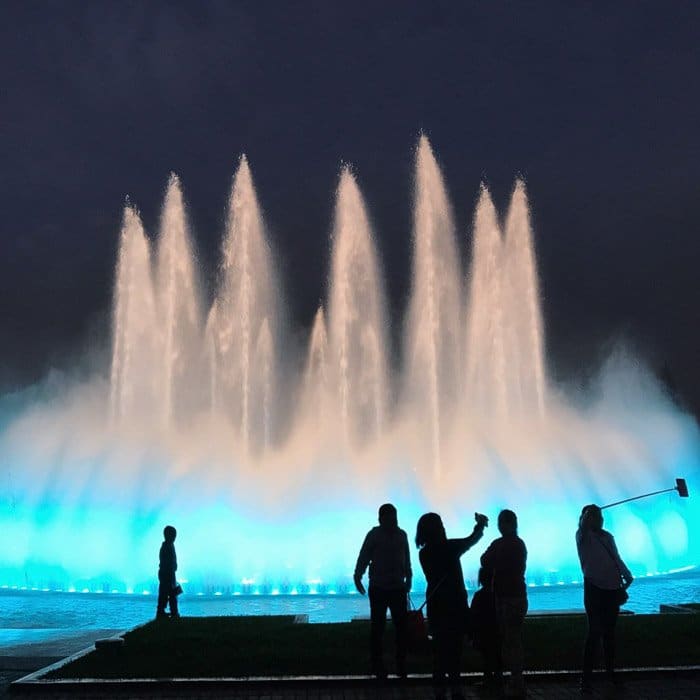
(416, 627)
(177, 589)
(621, 596)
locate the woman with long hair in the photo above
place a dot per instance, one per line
(605, 580)
(446, 596)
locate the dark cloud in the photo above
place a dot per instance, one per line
(594, 103)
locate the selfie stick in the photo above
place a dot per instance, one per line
(680, 486)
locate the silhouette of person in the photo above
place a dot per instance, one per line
(446, 596)
(166, 574)
(385, 550)
(484, 626)
(604, 575)
(506, 558)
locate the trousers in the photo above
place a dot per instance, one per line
(381, 600)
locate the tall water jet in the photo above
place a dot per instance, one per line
(522, 306)
(176, 295)
(372, 380)
(434, 338)
(316, 385)
(216, 344)
(246, 297)
(264, 356)
(356, 313)
(134, 361)
(485, 375)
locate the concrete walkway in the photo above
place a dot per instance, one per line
(24, 651)
(647, 685)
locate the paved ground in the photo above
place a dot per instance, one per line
(28, 655)
(645, 687)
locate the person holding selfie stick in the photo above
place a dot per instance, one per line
(605, 582)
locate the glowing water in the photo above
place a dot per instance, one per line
(178, 305)
(434, 337)
(521, 304)
(133, 343)
(316, 393)
(486, 386)
(272, 466)
(245, 303)
(357, 319)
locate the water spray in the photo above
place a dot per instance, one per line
(680, 486)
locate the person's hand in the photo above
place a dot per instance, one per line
(628, 580)
(409, 583)
(481, 520)
(358, 584)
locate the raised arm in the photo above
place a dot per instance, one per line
(465, 543)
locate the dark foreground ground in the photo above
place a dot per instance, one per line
(210, 648)
(648, 685)
(244, 647)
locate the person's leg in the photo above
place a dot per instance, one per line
(505, 633)
(398, 605)
(493, 665)
(609, 613)
(174, 611)
(440, 654)
(162, 597)
(491, 647)
(454, 659)
(378, 604)
(511, 614)
(591, 602)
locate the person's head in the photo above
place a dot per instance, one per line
(388, 516)
(430, 530)
(169, 533)
(591, 517)
(507, 523)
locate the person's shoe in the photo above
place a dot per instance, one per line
(456, 692)
(615, 681)
(161, 614)
(440, 691)
(515, 687)
(174, 616)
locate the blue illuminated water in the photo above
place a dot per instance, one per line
(40, 610)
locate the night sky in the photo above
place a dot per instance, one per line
(596, 104)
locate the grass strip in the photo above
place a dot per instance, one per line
(215, 647)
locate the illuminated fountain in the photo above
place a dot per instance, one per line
(271, 460)
(357, 321)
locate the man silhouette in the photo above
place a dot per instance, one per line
(167, 585)
(385, 550)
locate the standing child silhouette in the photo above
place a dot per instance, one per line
(167, 585)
